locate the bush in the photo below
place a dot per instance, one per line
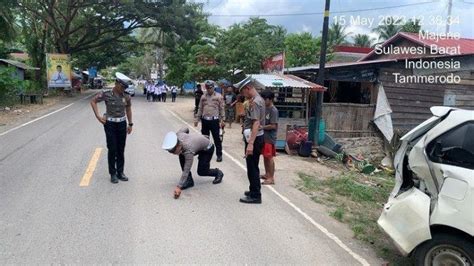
(10, 85)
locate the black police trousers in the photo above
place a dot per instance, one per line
(253, 172)
(213, 127)
(204, 164)
(197, 100)
(116, 135)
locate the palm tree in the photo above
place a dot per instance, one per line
(337, 35)
(156, 36)
(412, 26)
(363, 40)
(389, 28)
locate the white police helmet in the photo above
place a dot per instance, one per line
(170, 141)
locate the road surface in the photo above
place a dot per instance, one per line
(47, 217)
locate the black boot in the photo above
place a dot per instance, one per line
(122, 177)
(219, 177)
(251, 200)
(114, 179)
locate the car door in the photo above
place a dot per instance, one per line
(452, 158)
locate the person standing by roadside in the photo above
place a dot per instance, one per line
(174, 92)
(211, 115)
(118, 111)
(270, 136)
(230, 101)
(253, 135)
(240, 109)
(197, 97)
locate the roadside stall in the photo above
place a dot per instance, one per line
(292, 96)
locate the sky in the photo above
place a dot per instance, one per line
(433, 13)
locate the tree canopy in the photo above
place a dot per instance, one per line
(301, 49)
(140, 37)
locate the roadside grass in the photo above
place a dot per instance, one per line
(357, 200)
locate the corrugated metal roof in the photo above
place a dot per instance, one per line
(334, 65)
(275, 80)
(368, 62)
(18, 64)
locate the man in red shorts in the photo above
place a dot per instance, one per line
(270, 136)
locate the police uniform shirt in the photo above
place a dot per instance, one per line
(256, 111)
(211, 106)
(114, 103)
(192, 144)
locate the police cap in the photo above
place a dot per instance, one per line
(170, 141)
(243, 83)
(122, 82)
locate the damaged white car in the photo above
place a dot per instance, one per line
(430, 212)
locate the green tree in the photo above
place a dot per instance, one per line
(111, 54)
(10, 85)
(301, 49)
(7, 20)
(363, 40)
(412, 26)
(337, 35)
(244, 46)
(7, 26)
(194, 59)
(388, 28)
(218, 53)
(83, 25)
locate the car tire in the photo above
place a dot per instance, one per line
(445, 249)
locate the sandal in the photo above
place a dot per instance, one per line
(268, 182)
(263, 177)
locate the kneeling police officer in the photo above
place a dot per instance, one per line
(187, 146)
(118, 111)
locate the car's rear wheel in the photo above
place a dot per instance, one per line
(445, 249)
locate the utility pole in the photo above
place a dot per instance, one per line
(322, 63)
(450, 5)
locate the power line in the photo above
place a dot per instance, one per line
(320, 13)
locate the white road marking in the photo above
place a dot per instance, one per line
(41, 117)
(286, 200)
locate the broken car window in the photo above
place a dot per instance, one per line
(455, 147)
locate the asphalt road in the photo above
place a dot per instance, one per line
(47, 217)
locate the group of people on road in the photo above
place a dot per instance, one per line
(259, 131)
(158, 91)
(259, 128)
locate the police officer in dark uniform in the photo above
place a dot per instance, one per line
(118, 112)
(197, 98)
(211, 115)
